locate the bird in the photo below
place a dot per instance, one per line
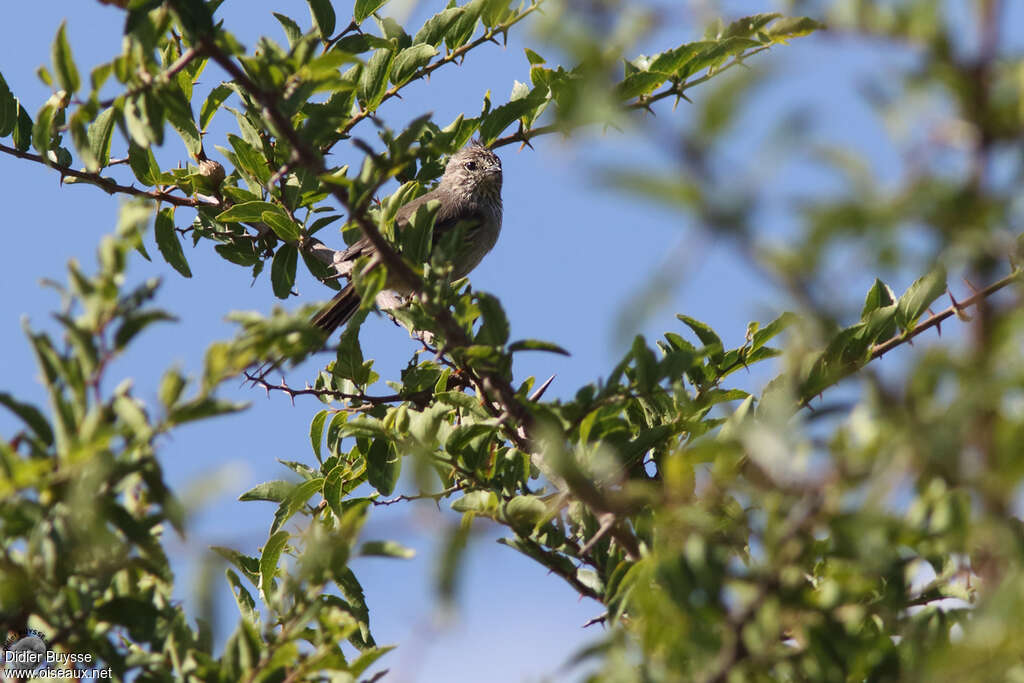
(469, 195)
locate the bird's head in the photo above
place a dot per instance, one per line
(474, 171)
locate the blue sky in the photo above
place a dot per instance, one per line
(571, 259)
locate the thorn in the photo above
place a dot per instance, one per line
(526, 143)
(959, 308)
(973, 289)
(542, 388)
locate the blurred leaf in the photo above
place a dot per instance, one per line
(386, 549)
(274, 491)
(291, 29)
(30, 415)
(63, 63)
(536, 345)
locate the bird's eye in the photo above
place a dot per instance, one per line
(470, 165)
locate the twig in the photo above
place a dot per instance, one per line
(956, 308)
(423, 496)
(643, 102)
(260, 380)
(110, 185)
(455, 54)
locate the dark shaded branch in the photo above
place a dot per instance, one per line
(109, 185)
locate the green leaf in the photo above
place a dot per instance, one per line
(178, 111)
(364, 8)
(8, 109)
(763, 335)
(283, 226)
(383, 465)
(458, 399)
(136, 322)
(704, 332)
(244, 600)
(334, 486)
(99, 135)
(715, 54)
(479, 502)
(497, 120)
(168, 243)
(282, 270)
(435, 27)
(494, 329)
(251, 161)
(274, 491)
(879, 296)
(919, 296)
(269, 559)
(536, 345)
(22, 133)
(63, 63)
(42, 130)
(793, 27)
(374, 78)
(464, 26)
(323, 17)
(203, 407)
(316, 433)
(640, 83)
(534, 58)
(495, 11)
(295, 501)
(143, 164)
(386, 549)
(524, 512)
(246, 212)
(212, 104)
(291, 29)
(171, 386)
(30, 415)
(410, 60)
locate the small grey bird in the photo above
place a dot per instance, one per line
(469, 194)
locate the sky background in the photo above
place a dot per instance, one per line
(570, 264)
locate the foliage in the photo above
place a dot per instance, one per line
(671, 493)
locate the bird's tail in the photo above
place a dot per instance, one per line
(335, 314)
(344, 304)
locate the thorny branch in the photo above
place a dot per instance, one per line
(109, 185)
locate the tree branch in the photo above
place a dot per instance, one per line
(109, 185)
(956, 307)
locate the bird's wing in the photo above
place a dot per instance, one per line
(446, 220)
(448, 215)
